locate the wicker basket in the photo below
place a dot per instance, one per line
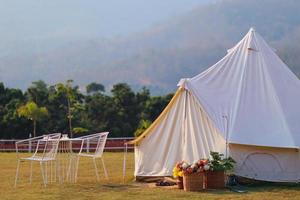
(215, 179)
(180, 183)
(193, 182)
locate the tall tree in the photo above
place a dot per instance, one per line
(32, 112)
(11, 125)
(126, 116)
(72, 95)
(38, 92)
(94, 88)
(101, 112)
(154, 106)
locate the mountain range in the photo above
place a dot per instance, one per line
(158, 57)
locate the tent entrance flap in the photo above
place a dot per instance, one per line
(184, 133)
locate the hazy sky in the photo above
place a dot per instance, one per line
(27, 19)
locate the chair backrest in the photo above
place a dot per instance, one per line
(31, 145)
(45, 146)
(94, 143)
(101, 144)
(51, 146)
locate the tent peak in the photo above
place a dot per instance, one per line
(183, 82)
(252, 29)
(251, 43)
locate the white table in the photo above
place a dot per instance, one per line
(66, 159)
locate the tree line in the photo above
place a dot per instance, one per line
(64, 108)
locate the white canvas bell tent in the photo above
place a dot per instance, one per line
(245, 106)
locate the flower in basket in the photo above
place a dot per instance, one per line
(189, 170)
(178, 169)
(176, 172)
(184, 165)
(194, 167)
(203, 162)
(206, 167)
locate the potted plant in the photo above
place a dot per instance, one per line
(215, 177)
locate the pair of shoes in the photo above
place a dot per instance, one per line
(163, 183)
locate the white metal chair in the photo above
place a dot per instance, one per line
(94, 145)
(45, 151)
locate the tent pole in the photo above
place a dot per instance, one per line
(184, 123)
(226, 135)
(185, 100)
(124, 161)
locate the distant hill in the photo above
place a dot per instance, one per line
(157, 58)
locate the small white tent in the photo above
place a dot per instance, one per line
(245, 106)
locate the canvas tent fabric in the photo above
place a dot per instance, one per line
(246, 103)
(256, 91)
(178, 135)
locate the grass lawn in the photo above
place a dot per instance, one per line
(87, 187)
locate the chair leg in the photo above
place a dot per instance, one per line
(96, 169)
(59, 171)
(43, 175)
(104, 168)
(73, 169)
(30, 177)
(17, 173)
(55, 170)
(76, 170)
(51, 177)
(69, 175)
(46, 172)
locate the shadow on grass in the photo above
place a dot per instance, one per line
(120, 186)
(105, 187)
(263, 186)
(245, 189)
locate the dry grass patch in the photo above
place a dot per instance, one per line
(88, 189)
